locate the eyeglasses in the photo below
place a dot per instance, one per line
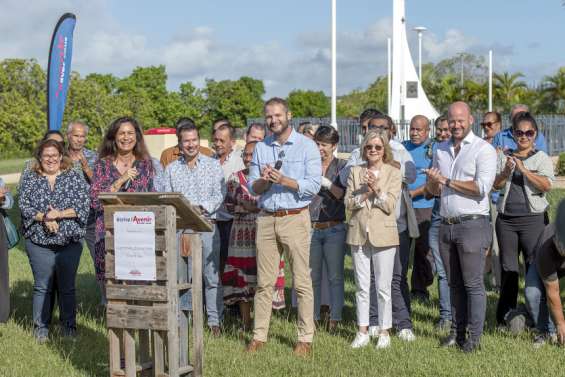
(50, 158)
(488, 124)
(529, 133)
(378, 148)
(384, 128)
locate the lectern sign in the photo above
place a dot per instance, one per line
(134, 245)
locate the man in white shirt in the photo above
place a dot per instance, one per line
(223, 142)
(464, 169)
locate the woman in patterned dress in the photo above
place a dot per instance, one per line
(240, 274)
(123, 165)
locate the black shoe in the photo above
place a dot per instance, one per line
(449, 341)
(471, 345)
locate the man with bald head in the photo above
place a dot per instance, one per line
(505, 139)
(463, 172)
(420, 147)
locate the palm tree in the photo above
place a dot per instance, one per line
(508, 88)
(554, 91)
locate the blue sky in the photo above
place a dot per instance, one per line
(285, 43)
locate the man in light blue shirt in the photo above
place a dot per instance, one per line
(286, 171)
(420, 147)
(201, 180)
(6, 202)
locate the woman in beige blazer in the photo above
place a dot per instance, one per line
(372, 192)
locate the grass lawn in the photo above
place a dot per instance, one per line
(501, 355)
(15, 165)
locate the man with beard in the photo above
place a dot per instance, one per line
(286, 173)
(463, 173)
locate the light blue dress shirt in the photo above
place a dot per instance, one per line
(301, 161)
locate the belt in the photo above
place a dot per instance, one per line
(324, 224)
(462, 218)
(285, 212)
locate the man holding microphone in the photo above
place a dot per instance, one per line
(286, 172)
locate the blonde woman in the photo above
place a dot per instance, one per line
(372, 192)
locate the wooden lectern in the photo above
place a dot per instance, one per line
(147, 313)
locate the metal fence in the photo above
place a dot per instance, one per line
(552, 126)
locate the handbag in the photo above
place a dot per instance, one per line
(12, 234)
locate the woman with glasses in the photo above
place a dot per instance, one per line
(372, 192)
(491, 125)
(524, 176)
(54, 205)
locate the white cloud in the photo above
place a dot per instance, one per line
(102, 45)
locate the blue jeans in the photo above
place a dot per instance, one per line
(328, 246)
(536, 301)
(46, 263)
(213, 292)
(442, 282)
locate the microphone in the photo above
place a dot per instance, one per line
(127, 185)
(277, 166)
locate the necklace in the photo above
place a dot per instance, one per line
(124, 163)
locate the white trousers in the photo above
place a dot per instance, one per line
(383, 266)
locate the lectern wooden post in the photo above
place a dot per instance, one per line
(146, 329)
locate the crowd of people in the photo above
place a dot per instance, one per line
(463, 204)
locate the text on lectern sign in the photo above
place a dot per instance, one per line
(134, 245)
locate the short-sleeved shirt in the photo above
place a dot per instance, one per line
(70, 191)
(550, 264)
(422, 156)
(324, 206)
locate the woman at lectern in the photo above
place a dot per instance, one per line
(124, 165)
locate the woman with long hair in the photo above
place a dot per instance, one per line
(123, 165)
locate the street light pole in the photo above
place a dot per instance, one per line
(334, 67)
(420, 30)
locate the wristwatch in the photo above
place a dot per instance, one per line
(447, 182)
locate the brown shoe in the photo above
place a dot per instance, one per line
(215, 330)
(254, 346)
(302, 349)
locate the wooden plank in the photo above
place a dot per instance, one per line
(188, 215)
(172, 254)
(185, 370)
(160, 264)
(145, 363)
(109, 242)
(136, 317)
(158, 354)
(159, 211)
(183, 339)
(114, 351)
(136, 292)
(197, 312)
(129, 353)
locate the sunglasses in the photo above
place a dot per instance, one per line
(488, 124)
(375, 147)
(529, 133)
(385, 128)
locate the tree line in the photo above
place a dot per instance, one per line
(99, 98)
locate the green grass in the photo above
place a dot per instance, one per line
(502, 354)
(15, 165)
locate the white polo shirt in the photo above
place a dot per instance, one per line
(475, 161)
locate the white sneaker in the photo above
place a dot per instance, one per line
(383, 342)
(361, 340)
(374, 331)
(407, 335)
